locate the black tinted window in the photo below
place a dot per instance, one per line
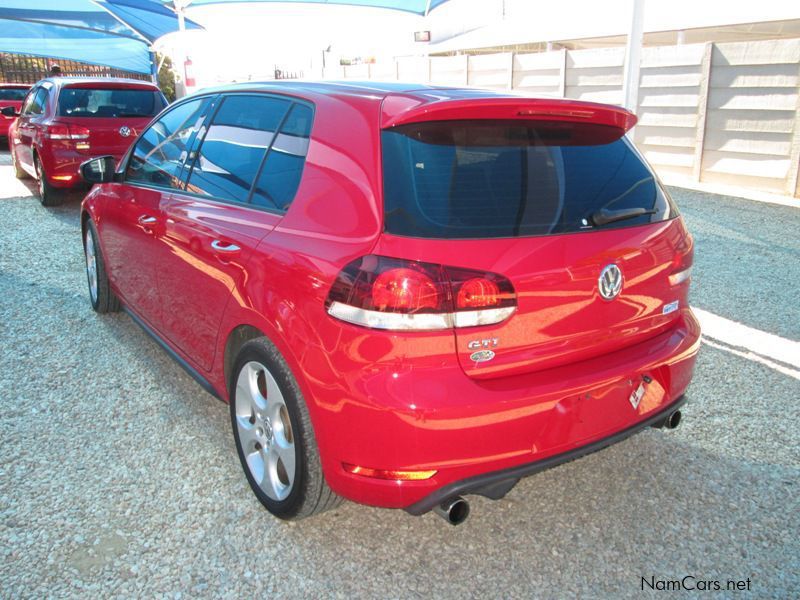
(160, 152)
(13, 94)
(280, 177)
(481, 179)
(234, 146)
(85, 102)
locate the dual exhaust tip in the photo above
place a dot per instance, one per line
(455, 510)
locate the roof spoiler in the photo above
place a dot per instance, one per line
(401, 110)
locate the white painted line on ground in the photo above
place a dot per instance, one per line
(10, 186)
(755, 357)
(755, 341)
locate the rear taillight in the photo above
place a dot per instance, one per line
(682, 263)
(66, 132)
(390, 293)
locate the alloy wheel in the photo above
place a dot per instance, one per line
(265, 431)
(91, 264)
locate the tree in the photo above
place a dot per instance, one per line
(166, 77)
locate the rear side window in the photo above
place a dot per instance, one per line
(13, 94)
(161, 151)
(234, 146)
(490, 179)
(279, 179)
(98, 102)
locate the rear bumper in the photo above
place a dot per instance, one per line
(62, 166)
(475, 433)
(497, 484)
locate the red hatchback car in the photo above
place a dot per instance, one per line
(406, 294)
(65, 121)
(11, 95)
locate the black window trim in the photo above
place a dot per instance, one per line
(219, 96)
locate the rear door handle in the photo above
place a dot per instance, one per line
(147, 220)
(224, 247)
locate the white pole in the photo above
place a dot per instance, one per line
(633, 57)
(180, 58)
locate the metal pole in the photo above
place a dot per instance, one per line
(633, 57)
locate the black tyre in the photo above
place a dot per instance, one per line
(100, 295)
(274, 436)
(19, 172)
(48, 195)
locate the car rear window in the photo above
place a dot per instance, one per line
(104, 102)
(492, 179)
(13, 94)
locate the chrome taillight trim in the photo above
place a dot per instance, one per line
(418, 322)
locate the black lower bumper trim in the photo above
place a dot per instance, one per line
(497, 484)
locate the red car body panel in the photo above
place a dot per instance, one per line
(391, 400)
(61, 158)
(5, 122)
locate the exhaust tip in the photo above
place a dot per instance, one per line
(455, 510)
(673, 420)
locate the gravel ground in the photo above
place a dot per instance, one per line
(118, 474)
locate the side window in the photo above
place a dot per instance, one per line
(160, 152)
(280, 177)
(234, 146)
(36, 102)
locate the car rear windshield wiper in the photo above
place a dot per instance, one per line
(605, 216)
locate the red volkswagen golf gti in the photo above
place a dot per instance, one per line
(406, 294)
(67, 120)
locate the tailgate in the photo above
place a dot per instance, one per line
(553, 198)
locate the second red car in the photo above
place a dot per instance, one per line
(65, 121)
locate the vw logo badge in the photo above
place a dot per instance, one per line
(124, 131)
(610, 282)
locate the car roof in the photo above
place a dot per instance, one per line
(114, 81)
(368, 90)
(15, 85)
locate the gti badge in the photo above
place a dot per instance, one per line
(487, 343)
(125, 131)
(610, 282)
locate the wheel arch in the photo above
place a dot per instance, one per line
(237, 338)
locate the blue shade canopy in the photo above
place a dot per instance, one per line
(114, 33)
(420, 7)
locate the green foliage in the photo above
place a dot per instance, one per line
(166, 77)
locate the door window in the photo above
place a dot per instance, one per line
(36, 102)
(234, 146)
(280, 176)
(161, 151)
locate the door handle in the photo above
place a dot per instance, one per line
(147, 220)
(224, 247)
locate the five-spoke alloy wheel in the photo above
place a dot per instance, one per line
(274, 436)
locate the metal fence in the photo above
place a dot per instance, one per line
(725, 114)
(23, 68)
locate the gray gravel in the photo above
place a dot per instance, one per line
(118, 474)
(747, 260)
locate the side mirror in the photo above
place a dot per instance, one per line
(9, 111)
(98, 170)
